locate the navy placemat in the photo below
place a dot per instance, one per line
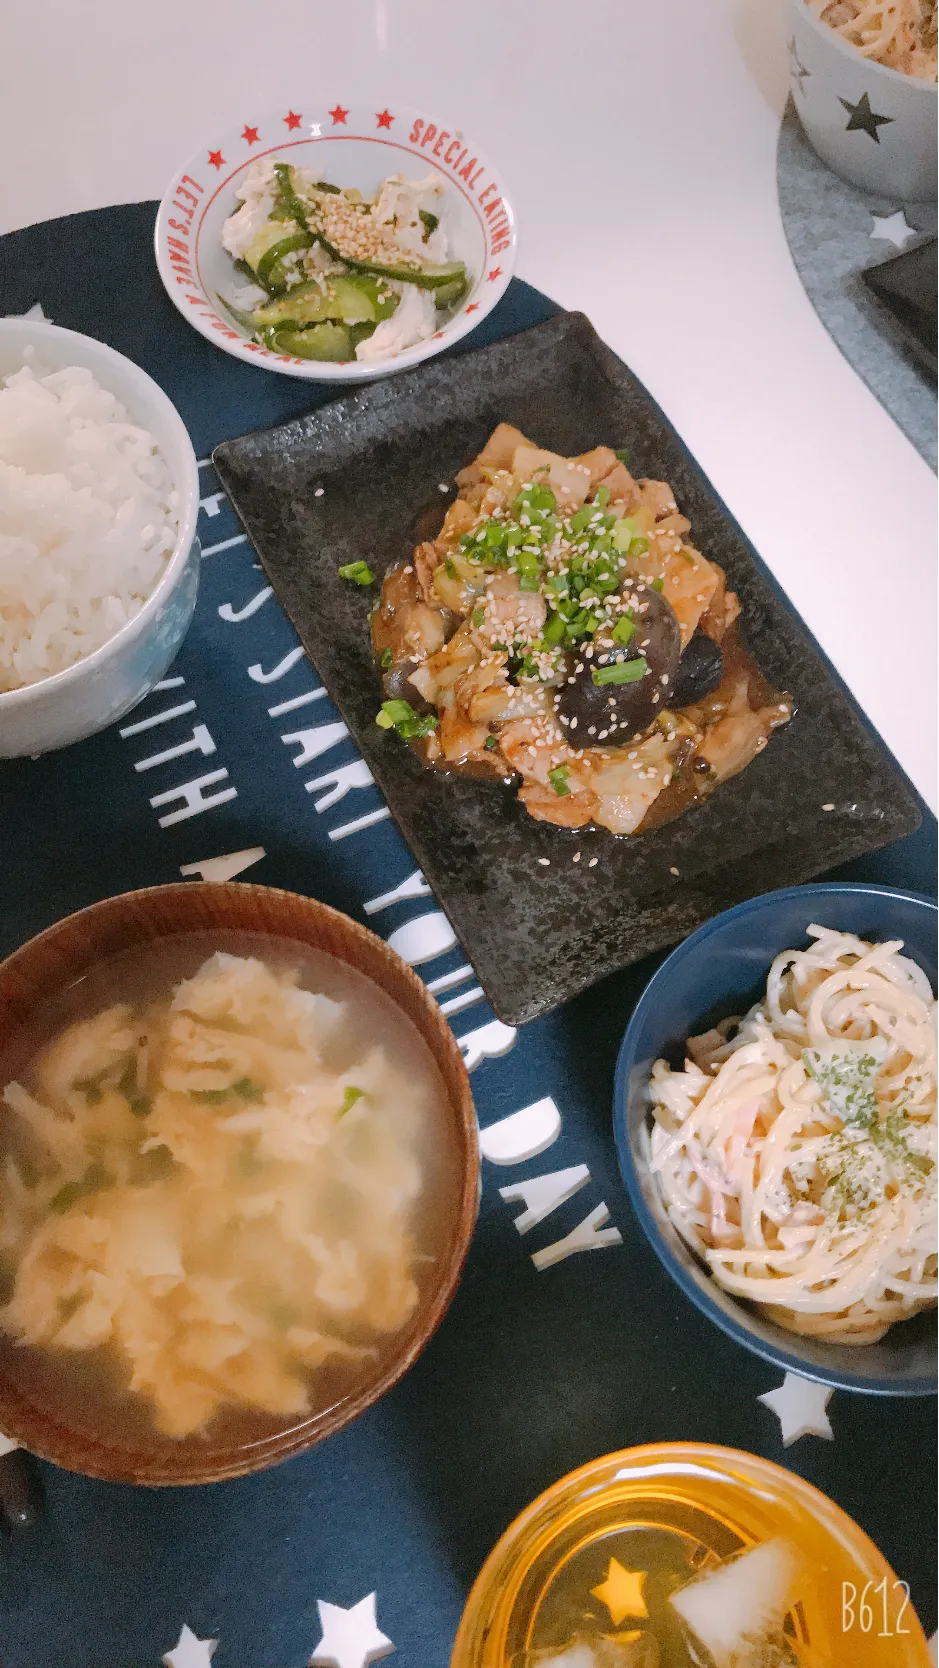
(565, 1341)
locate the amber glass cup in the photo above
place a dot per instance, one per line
(679, 1504)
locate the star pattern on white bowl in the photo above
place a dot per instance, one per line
(190, 1652)
(799, 1404)
(351, 1638)
(893, 228)
(797, 69)
(862, 119)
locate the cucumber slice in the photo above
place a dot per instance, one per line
(360, 333)
(245, 320)
(271, 232)
(448, 294)
(321, 341)
(425, 277)
(306, 303)
(361, 298)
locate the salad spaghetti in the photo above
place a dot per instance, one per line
(796, 1149)
(900, 34)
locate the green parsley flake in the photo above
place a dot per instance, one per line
(846, 1079)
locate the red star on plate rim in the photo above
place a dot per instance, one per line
(384, 118)
(250, 135)
(216, 159)
(292, 120)
(338, 115)
(495, 273)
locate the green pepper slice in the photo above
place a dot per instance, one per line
(271, 259)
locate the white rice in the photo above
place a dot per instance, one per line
(88, 520)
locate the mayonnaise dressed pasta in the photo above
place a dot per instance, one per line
(900, 34)
(796, 1149)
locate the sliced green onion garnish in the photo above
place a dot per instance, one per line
(387, 659)
(624, 629)
(400, 716)
(622, 454)
(349, 1099)
(359, 572)
(658, 584)
(638, 547)
(621, 671)
(490, 742)
(558, 779)
(247, 1089)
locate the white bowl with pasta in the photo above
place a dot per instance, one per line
(863, 77)
(776, 1124)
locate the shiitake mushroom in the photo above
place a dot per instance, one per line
(622, 710)
(700, 670)
(397, 686)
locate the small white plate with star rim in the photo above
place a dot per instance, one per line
(349, 144)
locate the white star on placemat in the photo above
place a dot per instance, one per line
(799, 1404)
(351, 1638)
(190, 1652)
(33, 312)
(893, 228)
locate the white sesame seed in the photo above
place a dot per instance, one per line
(576, 857)
(673, 871)
(545, 862)
(828, 807)
(442, 486)
(319, 492)
(593, 862)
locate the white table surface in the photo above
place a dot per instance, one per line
(638, 138)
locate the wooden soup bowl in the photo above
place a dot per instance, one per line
(44, 967)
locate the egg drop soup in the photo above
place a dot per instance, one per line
(224, 1162)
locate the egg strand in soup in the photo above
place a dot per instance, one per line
(218, 1188)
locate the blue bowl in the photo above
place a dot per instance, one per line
(721, 970)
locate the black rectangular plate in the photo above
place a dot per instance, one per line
(537, 934)
(906, 285)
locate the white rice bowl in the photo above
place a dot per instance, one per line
(93, 606)
(88, 519)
